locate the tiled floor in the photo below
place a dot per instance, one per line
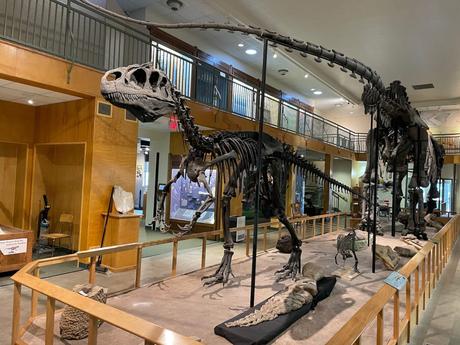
(440, 324)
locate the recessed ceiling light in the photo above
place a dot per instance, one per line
(240, 45)
(318, 92)
(312, 89)
(251, 51)
(30, 101)
(305, 76)
(338, 105)
(352, 112)
(275, 56)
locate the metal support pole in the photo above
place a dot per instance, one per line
(371, 163)
(376, 165)
(155, 190)
(259, 168)
(393, 203)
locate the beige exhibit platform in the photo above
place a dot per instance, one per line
(183, 305)
(15, 261)
(121, 229)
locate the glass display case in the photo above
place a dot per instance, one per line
(187, 197)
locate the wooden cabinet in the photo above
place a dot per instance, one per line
(121, 229)
(15, 261)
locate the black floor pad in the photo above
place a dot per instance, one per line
(265, 332)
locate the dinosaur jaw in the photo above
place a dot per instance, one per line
(139, 105)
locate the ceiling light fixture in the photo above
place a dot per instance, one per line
(30, 101)
(318, 92)
(312, 89)
(241, 45)
(275, 56)
(251, 51)
(305, 76)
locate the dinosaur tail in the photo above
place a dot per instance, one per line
(309, 170)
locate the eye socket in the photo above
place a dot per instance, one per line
(140, 76)
(114, 76)
(154, 76)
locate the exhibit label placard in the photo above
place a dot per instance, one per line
(14, 246)
(396, 280)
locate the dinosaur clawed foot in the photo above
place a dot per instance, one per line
(183, 230)
(223, 271)
(292, 268)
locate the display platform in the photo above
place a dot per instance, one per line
(183, 305)
(265, 332)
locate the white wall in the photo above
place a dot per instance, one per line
(342, 172)
(159, 142)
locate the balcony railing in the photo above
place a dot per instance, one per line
(70, 30)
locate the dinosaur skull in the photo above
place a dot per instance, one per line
(145, 91)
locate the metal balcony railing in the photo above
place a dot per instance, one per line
(70, 30)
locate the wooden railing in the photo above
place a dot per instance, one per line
(29, 276)
(422, 273)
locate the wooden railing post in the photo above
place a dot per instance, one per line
(416, 293)
(16, 313)
(408, 307)
(396, 316)
(174, 258)
(322, 226)
(34, 297)
(203, 251)
(331, 220)
(423, 263)
(314, 228)
(92, 330)
(49, 330)
(138, 267)
(92, 270)
(380, 328)
(430, 285)
(338, 222)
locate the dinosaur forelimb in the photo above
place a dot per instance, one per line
(206, 204)
(159, 217)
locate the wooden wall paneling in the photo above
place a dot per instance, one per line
(114, 152)
(17, 122)
(8, 172)
(29, 66)
(59, 173)
(21, 186)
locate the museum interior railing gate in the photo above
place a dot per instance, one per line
(422, 273)
(29, 277)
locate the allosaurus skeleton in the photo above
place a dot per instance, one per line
(149, 94)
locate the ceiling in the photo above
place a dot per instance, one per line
(30, 95)
(415, 41)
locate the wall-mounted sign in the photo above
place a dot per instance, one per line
(15, 246)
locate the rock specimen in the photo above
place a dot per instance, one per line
(406, 251)
(388, 256)
(74, 323)
(284, 244)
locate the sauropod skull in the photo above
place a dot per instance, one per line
(142, 89)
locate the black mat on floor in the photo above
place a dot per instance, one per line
(265, 332)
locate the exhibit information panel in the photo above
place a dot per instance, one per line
(187, 197)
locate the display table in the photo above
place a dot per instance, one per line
(15, 248)
(121, 229)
